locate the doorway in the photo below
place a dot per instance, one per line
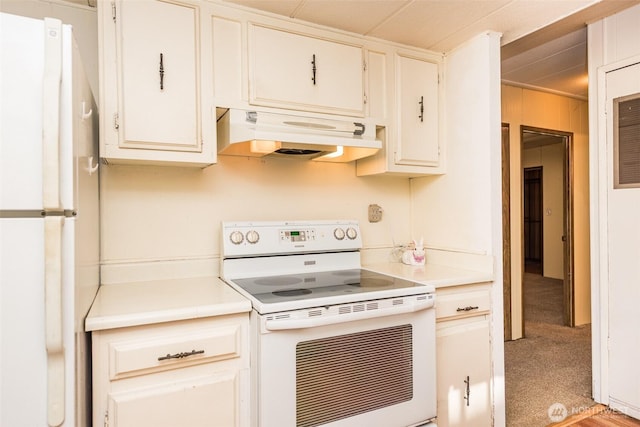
(548, 213)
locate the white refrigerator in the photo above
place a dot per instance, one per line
(49, 229)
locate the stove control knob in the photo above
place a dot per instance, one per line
(236, 237)
(338, 233)
(352, 233)
(253, 237)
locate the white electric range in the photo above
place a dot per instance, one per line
(333, 344)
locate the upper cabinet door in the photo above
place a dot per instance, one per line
(160, 74)
(155, 100)
(417, 86)
(305, 73)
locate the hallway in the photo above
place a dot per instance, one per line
(552, 364)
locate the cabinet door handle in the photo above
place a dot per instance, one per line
(161, 71)
(467, 392)
(313, 69)
(421, 102)
(180, 355)
(467, 308)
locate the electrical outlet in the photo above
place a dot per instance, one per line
(375, 213)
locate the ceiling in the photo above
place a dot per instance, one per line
(544, 41)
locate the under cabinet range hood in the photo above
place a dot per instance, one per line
(259, 134)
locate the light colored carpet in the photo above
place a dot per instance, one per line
(552, 364)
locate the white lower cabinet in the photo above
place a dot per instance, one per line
(187, 373)
(463, 342)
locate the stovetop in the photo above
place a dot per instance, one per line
(308, 286)
(283, 266)
(270, 294)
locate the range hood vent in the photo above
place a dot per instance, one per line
(259, 134)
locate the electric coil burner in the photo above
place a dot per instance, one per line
(332, 343)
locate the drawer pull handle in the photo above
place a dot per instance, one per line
(468, 308)
(180, 355)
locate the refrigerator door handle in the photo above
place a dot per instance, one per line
(53, 224)
(51, 114)
(53, 319)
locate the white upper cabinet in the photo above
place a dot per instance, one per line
(155, 83)
(413, 144)
(417, 88)
(300, 72)
(168, 67)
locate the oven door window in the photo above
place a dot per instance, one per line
(346, 375)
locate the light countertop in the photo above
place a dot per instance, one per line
(155, 301)
(140, 303)
(431, 274)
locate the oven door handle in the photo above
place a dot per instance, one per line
(314, 322)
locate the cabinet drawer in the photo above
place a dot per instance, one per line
(139, 356)
(463, 304)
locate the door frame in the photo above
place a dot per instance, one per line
(568, 223)
(506, 231)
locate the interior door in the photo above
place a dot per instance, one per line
(533, 220)
(623, 231)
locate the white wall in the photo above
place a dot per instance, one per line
(610, 41)
(551, 158)
(154, 214)
(462, 210)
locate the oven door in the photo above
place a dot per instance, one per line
(373, 370)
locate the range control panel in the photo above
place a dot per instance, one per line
(242, 239)
(297, 235)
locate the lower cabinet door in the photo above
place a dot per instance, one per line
(206, 401)
(464, 372)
